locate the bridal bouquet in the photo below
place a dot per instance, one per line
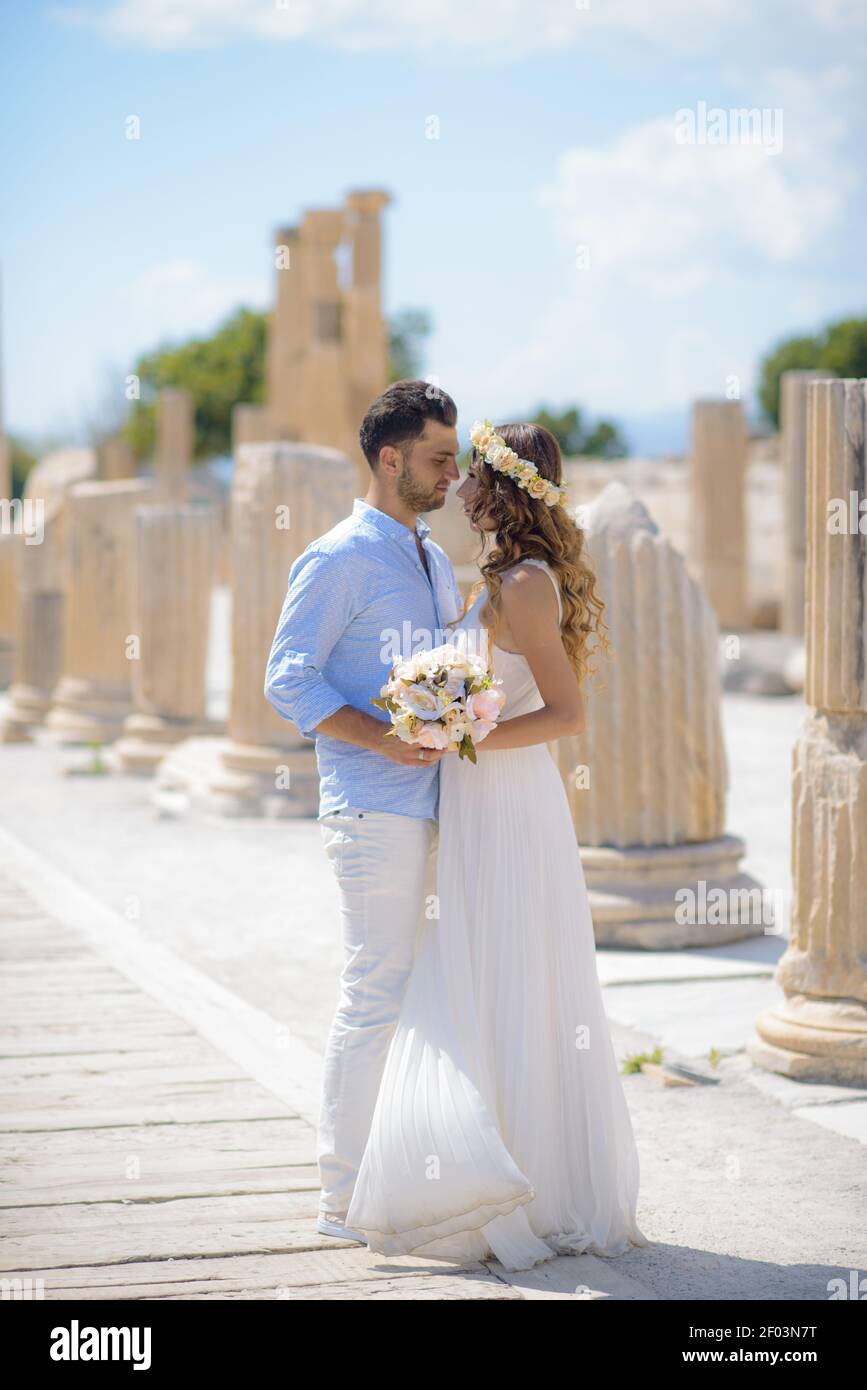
(442, 698)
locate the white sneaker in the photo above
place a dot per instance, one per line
(329, 1226)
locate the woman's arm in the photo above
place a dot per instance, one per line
(529, 605)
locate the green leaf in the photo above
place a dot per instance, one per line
(467, 749)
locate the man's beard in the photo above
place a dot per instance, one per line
(413, 494)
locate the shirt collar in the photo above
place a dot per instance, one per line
(387, 524)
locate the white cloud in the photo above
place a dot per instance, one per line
(671, 215)
(839, 14)
(677, 235)
(481, 29)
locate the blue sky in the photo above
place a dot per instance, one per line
(557, 131)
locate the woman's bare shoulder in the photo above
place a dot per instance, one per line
(526, 589)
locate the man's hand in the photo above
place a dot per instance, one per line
(355, 726)
(409, 754)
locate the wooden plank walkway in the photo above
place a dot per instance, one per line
(138, 1162)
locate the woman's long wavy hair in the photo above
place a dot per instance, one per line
(526, 528)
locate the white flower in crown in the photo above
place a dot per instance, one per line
(491, 447)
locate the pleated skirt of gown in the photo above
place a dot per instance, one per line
(501, 1126)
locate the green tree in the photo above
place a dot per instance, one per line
(406, 334)
(21, 461)
(567, 427)
(605, 442)
(845, 348)
(786, 357)
(218, 371)
(229, 367)
(840, 348)
(601, 440)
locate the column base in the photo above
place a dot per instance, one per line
(88, 711)
(810, 1039)
(27, 710)
(246, 782)
(230, 779)
(148, 738)
(661, 897)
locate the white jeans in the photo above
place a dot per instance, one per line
(385, 869)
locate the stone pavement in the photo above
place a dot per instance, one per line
(197, 961)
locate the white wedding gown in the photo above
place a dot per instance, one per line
(501, 1126)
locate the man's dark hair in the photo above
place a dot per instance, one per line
(398, 416)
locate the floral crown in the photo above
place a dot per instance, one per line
(493, 448)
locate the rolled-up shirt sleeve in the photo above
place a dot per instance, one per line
(318, 607)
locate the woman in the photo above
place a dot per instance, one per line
(501, 1127)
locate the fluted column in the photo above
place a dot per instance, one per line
(40, 606)
(117, 460)
(647, 780)
(287, 339)
(366, 335)
(94, 695)
(7, 552)
(717, 465)
(283, 497)
(41, 581)
(175, 562)
(819, 1031)
(7, 565)
(253, 424)
(7, 602)
(793, 458)
(174, 446)
(326, 416)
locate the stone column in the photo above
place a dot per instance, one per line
(7, 600)
(41, 580)
(174, 447)
(287, 340)
(793, 458)
(366, 335)
(7, 552)
(38, 630)
(283, 497)
(7, 564)
(819, 1030)
(253, 424)
(717, 553)
(117, 460)
(326, 418)
(175, 561)
(647, 780)
(94, 695)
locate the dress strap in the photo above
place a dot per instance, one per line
(543, 564)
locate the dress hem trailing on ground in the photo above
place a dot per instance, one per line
(501, 1127)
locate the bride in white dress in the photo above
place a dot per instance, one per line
(501, 1127)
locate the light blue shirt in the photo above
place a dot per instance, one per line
(357, 599)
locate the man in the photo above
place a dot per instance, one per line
(373, 575)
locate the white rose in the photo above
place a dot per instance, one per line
(421, 701)
(406, 670)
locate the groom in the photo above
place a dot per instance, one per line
(372, 575)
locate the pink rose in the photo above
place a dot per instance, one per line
(480, 728)
(486, 704)
(433, 736)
